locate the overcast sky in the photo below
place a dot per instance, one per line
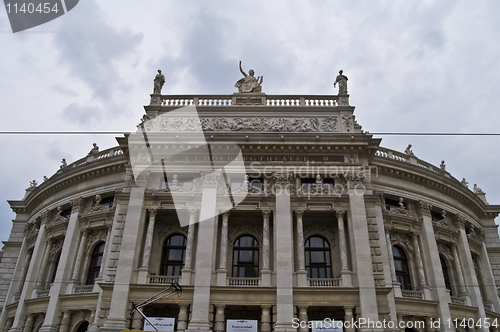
(413, 66)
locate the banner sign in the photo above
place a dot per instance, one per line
(241, 325)
(161, 324)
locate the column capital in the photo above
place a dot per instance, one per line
(211, 180)
(425, 208)
(76, 204)
(299, 213)
(153, 212)
(225, 215)
(340, 213)
(461, 221)
(266, 213)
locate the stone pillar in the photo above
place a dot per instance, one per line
(265, 320)
(266, 271)
(24, 272)
(79, 257)
(187, 270)
(362, 249)
(303, 318)
(469, 272)
(66, 319)
(28, 326)
(182, 319)
(127, 260)
(43, 269)
(349, 317)
(8, 324)
(346, 274)
(33, 265)
(462, 291)
(219, 318)
(433, 266)
(428, 324)
(205, 252)
(104, 263)
(420, 265)
(489, 278)
(222, 271)
(283, 252)
(482, 283)
(63, 273)
(301, 271)
(148, 244)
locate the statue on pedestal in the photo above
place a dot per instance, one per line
(342, 81)
(249, 84)
(159, 81)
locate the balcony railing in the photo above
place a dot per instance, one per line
(83, 289)
(227, 100)
(411, 294)
(457, 300)
(163, 280)
(324, 282)
(244, 282)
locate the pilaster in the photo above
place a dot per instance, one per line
(222, 271)
(266, 272)
(148, 244)
(187, 270)
(301, 271)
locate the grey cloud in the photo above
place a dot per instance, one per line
(82, 115)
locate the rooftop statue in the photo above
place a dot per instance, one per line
(159, 81)
(249, 84)
(342, 81)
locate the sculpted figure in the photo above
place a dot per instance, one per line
(478, 190)
(94, 149)
(249, 83)
(408, 151)
(465, 183)
(63, 163)
(159, 81)
(342, 81)
(443, 165)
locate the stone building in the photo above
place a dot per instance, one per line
(282, 208)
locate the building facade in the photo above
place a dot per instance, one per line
(322, 223)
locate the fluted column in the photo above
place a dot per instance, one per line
(346, 275)
(222, 271)
(182, 319)
(265, 319)
(462, 291)
(65, 322)
(301, 272)
(188, 262)
(28, 325)
(79, 257)
(43, 269)
(420, 265)
(266, 272)
(219, 318)
(148, 245)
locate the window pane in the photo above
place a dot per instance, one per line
(175, 254)
(317, 257)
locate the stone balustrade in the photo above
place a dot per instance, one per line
(402, 157)
(163, 280)
(411, 294)
(243, 282)
(458, 300)
(83, 289)
(324, 282)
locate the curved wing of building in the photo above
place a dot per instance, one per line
(271, 212)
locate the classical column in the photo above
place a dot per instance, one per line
(432, 263)
(418, 259)
(219, 318)
(283, 222)
(222, 271)
(482, 283)
(182, 319)
(28, 326)
(66, 319)
(489, 282)
(148, 244)
(24, 272)
(104, 261)
(428, 324)
(266, 272)
(462, 291)
(346, 274)
(349, 317)
(187, 269)
(79, 257)
(303, 318)
(301, 272)
(43, 269)
(265, 319)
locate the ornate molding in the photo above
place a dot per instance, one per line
(283, 179)
(425, 208)
(270, 124)
(142, 179)
(348, 122)
(211, 180)
(402, 240)
(76, 204)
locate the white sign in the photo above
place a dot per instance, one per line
(327, 326)
(241, 325)
(161, 324)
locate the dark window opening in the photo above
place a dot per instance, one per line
(446, 274)
(318, 260)
(107, 202)
(246, 257)
(95, 263)
(401, 267)
(391, 204)
(173, 254)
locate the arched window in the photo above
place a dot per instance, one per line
(95, 263)
(446, 274)
(401, 267)
(246, 257)
(83, 327)
(173, 254)
(318, 262)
